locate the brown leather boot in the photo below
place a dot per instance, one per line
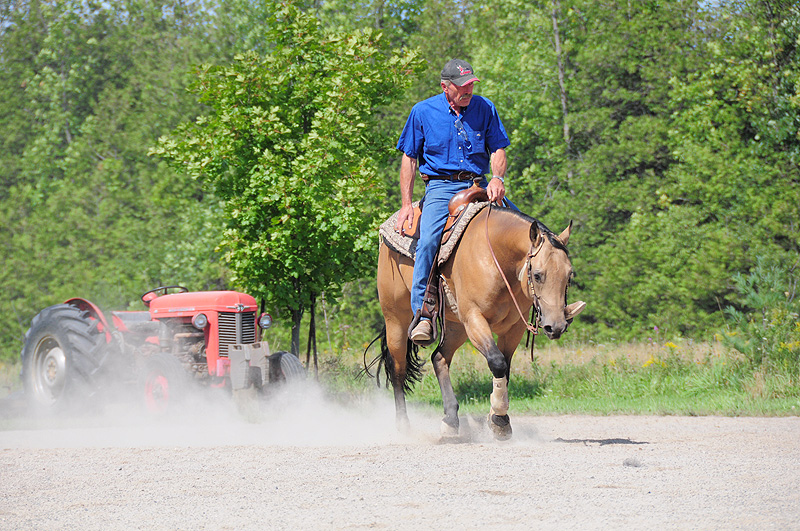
(423, 332)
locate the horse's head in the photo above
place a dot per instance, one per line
(547, 275)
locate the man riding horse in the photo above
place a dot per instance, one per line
(452, 138)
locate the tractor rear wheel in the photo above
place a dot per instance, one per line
(284, 367)
(165, 383)
(61, 359)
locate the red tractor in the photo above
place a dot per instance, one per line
(75, 354)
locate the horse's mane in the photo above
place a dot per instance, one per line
(551, 236)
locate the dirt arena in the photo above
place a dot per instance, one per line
(309, 464)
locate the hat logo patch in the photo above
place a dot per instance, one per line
(464, 71)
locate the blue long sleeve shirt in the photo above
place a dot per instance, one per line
(445, 144)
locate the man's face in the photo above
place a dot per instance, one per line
(458, 96)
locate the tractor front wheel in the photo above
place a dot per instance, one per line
(284, 367)
(165, 383)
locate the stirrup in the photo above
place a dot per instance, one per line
(422, 334)
(412, 328)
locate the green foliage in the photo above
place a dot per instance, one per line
(290, 149)
(766, 325)
(675, 148)
(734, 131)
(398, 20)
(589, 133)
(84, 210)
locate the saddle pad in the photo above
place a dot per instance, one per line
(407, 246)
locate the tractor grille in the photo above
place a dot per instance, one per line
(236, 328)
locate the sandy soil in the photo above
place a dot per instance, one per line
(316, 465)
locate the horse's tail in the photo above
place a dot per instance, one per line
(414, 363)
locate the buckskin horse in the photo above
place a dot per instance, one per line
(505, 263)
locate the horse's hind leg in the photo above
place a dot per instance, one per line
(454, 337)
(397, 344)
(394, 277)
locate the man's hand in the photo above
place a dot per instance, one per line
(404, 218)
(408, 171)
(496, 190)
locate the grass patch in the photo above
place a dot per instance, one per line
(674, 378)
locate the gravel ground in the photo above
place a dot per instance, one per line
(316, 465)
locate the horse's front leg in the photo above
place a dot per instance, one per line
(454, 337)
(499, 363)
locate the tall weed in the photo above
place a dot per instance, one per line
(765, 328)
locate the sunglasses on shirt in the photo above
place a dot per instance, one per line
(463, 133)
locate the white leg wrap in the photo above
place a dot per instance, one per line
(499, 398)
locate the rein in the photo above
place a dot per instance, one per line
(533, 324)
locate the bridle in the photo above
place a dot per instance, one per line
(535, 321)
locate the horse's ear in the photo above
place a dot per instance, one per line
(535, 234)
(574, 309)
(564, 236)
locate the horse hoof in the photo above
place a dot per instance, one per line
(403, 426)
(500, 426)
(448, 432)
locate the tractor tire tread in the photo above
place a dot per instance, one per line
(70, 328)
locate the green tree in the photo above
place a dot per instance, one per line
(436, 30)
(735, 133)
(585, 96)
(714, 179)
(84, 211)
(291, 150)
(737, 123)
(520, 75)
(398, 20)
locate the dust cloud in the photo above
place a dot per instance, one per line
(303, 414)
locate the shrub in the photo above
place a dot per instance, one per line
(766, 327)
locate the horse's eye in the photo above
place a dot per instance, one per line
(538, 278)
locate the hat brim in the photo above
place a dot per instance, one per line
(466, 80)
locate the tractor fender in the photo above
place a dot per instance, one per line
(94, 313)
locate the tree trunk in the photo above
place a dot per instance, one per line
(297, 318)
(327, 324)
(562, 87)
(312, 337)
(561, 84)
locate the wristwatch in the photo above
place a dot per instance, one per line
(502, 180)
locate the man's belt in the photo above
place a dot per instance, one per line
(458, 176)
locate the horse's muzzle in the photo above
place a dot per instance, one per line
(556, 330)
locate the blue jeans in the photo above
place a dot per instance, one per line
(431, 224)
